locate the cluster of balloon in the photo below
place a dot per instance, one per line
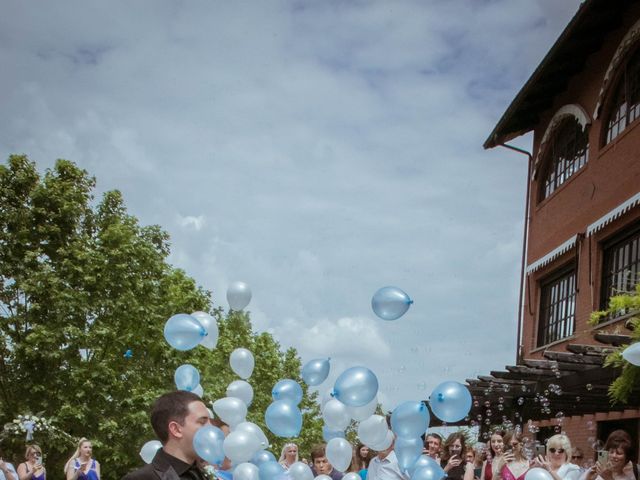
(632, 354)
(238, 295)
(450, 401)
(409, 420)
(390, 303)
(315, 371)
(283, 416)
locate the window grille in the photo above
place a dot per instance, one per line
(568, 151)
(557, 308)
(625, 107)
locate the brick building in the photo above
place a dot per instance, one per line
(582, 228)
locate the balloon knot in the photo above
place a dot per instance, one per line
(410, 302)
(440, 397)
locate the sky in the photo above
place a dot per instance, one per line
(317, 150)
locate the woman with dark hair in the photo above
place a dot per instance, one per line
(494, 450)
(512, 464)
(362, 455)
(453, 462)
(619, 465)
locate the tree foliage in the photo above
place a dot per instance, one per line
(82, 282)
(621, 388)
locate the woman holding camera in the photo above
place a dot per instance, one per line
(557, 460)
(495, 447)
(453, 462)
(32, 468)
(512, 464)
(618, 465)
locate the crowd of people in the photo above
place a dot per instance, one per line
(177, 416)
(80, 466)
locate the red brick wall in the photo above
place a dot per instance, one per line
(611, 176)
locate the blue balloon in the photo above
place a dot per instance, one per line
(410, 419)
(315, 371)
(283, 419)
(356, 386)
(390, 303)
(262, 456)
(207, 442)
(429, 472)
(184, 332)
(408, 450)
(287, 390)
(424, 461)
(270, 470)
(328, 434)
(450, 401)
(187, 377)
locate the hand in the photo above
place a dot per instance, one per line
(3, 465)
(454, 461)
(509, 456)
(604, 471)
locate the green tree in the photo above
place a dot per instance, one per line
(81, 283)
(621, 388)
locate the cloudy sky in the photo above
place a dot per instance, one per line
(317, 150)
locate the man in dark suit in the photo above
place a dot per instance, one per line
(175, 417)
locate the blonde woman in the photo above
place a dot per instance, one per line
(557, 460)
(289, 455)
(81, 466)
(32, 468)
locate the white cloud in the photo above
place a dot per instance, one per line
(328, 148)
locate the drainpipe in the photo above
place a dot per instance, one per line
(524, 249)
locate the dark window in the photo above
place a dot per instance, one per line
(625, 105)
(557, 307)
(567, 153)
(621, 265)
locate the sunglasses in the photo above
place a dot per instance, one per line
(577, 456)
(554, 450)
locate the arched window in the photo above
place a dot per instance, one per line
(625, 104)
(566, 153)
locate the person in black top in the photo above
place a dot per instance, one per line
(175, 418)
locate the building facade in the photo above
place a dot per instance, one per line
(582, 241)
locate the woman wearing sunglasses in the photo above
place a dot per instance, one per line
(557, 460)
(512, 464)
(32, 468)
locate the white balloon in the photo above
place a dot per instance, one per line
(632, 354)
(238, 295)
(351, 476)
(246, 471)
(362, 413)
(199, 391)
(538, 473)
(242, 390)
(373, 430)
(149, 449)
(335, 414)
(231, 410)
(211, 326)
(251, 428)
(300, 471)
(386, 443)
(242, 362)
(323, 477)
(240, 446)
(339, 453)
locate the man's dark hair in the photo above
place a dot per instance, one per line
(318, 451)
(170, 407)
